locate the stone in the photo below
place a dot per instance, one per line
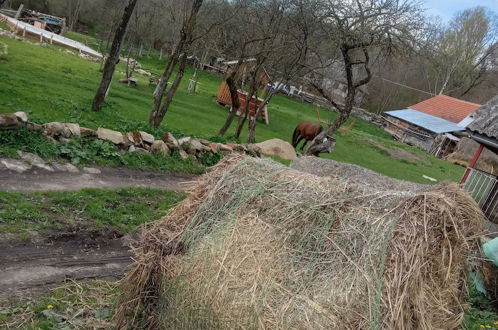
(91, 170)
(51, 139)
(146, 137)
(66, 132)
(195, 146)
(278, 147)
(205, 142)
(159, 147)
(184, 142)
(183, 154)
(65, 168)
(34, 160)
(9, 121)
(110, 135)
(132, 148)
(87, 132)
(74, 129)
(64, 140)
(214, 147)
(22, 116)
(240, 148)
(253, 150)
(34, 127)
(232, 145)
(53, 129)
(170, 141)
(225, 148)
(16, 165)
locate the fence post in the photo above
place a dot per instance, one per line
(472, 163)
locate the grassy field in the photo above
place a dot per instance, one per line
(52, 86)
(90, 209)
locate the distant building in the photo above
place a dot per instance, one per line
(430, 124)
(419, 129)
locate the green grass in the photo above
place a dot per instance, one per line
(89, 209)
(77, 305)
(482, 312)
(52, 86)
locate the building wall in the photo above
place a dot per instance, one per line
(410, 134)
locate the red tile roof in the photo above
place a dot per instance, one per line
(446, 107)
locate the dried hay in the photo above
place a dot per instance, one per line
(258, 245)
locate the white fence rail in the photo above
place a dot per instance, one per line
(483, 187)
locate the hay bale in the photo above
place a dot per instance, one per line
(259, 245)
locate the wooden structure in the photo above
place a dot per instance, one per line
(224, 98)
(42, 21)
(482, 186)
(422, 130)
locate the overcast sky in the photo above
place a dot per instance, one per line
(447, 8)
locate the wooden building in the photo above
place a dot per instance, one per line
(428, 132)
(483, 186)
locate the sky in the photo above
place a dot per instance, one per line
(447, 8)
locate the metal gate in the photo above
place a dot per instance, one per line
(483, 187)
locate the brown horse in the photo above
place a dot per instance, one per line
(307, 131)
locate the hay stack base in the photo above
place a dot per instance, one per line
(260, 246)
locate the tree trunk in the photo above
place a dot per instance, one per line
(251, 134)
(113, 58)
(2, 2)
(247, 107)
(171, 92)
(179, 56)
(232, 87)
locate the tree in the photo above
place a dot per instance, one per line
(161, 102)
(458, 56)
(113, 59)
(2, 2)
(353, 33)
(74, 12)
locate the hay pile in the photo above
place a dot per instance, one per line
(258, 245)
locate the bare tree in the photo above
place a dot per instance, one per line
(113, 59)
(74, 12)
(355, 32)
(179, 56)
(2, 2)
(458, 56)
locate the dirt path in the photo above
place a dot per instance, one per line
(39, 179)
(28, 268)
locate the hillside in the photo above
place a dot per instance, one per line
(52, 86)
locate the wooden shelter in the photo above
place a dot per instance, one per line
(481, 185)
(224, 98)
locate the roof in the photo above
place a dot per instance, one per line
(486, 119)
(430, 123)
(446, 107)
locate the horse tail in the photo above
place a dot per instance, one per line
(295, 136)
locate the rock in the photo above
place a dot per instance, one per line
(34, 160)
(170, 141)
(74, 129)
(225, 148)
(22, 116)
(65, 168)
(231, 145)
(34, 127)
(214, 147)
(132, 148)
(64, 140)
(53, 129)
(253, 150)
(16, 165)
(87, 132)
(110, 135)
(277, 147)
(143, 72)
(195, 146)
(184, 142)
(205, 142)
(9, 121)
(66, 132)
(146, 137)
(159, 147)
(91, 170)
(183, 154)
(51, 139)
(135, 138)
(240, 148)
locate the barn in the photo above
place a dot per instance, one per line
(483, 186)
(419, 129)
(429, 124)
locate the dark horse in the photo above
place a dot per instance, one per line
(307, 131)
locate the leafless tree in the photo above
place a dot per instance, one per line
(113, 59)
(179, 56)
(355, 32)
